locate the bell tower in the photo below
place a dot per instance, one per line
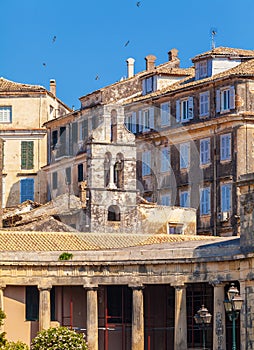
(111, 174)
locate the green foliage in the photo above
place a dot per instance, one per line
(15, 346)
(65, 256)
(58, 338)
(2, 335)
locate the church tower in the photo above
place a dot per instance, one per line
(111, 174)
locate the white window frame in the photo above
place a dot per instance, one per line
(205, 151)
(225, 99)
(131, 122)
(205, 200)
(184, 155)
(184, 109)
(165, 114)
(5, 114)
(225, 147)
(148, 119)
(165, 200)
(165, 159)
(204, 104)
(146, 163)
(226, 197)
(185, 199)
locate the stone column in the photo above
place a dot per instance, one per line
(44, 307)
(2, 303)
(137, 338)
(180, 341)
(219, 318)
(111, 184)
(92, 318)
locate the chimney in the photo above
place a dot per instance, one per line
(130, 67)
(150, 60)
(173, 57)
(52, 85)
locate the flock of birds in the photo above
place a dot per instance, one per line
(138, 4)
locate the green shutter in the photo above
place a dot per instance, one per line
(27, 155)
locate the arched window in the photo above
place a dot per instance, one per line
(113, 136)
(107, 162)
(114, 213)
(119, 171)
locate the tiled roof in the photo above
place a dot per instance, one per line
(8, 85)
(56, 241)
(225, 51)
(245, 69)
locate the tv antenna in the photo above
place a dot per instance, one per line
(213, 33)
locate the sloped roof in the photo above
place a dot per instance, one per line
(8, 85)
(66, 241)
(225, 51)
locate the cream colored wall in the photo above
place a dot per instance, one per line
(28, 115)
(15, 325)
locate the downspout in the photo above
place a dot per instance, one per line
(215, 183)
(38, 150)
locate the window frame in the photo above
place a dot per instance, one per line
(204, 104)
(6, 114)
(146, 163)
(203, 69)
(165, 114)
(185, 202)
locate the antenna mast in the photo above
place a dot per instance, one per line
(213, 32)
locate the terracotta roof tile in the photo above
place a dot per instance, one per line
(225, 51)
(8, 85)
(56, 241)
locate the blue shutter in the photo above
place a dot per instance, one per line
(209, 68)
(26, 190)
(232, 97)
(178, 116)
(218, 101)
(197, 70)
(140, 121)
(151, 118)
(190, 108)
(143, 87)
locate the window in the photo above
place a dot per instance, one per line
(165, 200)
(5, 114)
(203, 69)
(148, 85)
(80, 172)
(226, 190)
(225, 99)
(165, 114)
(184, 109)
(131, 123)
(175, 229)
(204, 104)
(27, 155)
(165, 159)
(84, 129)
(205, 201)
(146, 163)
(68, 175)
(62, 150)
(26, 190)
(205, 151)
(32, 303)
(147, 119)
(184, 155)
(185, 199)
(225, 147)
(54, 180)
(54, 138)
(114, 213)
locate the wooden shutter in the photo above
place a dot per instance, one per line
(140, 121)
(218, 101)
(26, 190)
(190, 108)
(27, 155)
(178, 115)
(143, 87)
(133, 123)
(197, 70)
(151, 117)
(209, 68)
(232, 97)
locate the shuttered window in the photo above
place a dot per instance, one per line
(204, 104)
(5, 114)
(205, 201)
(165, 114)
(226, 197)
(205, 151)
(146, 163)
(165, 159)
(184, 109)
(27, 155)
(225, 147)
(26, 190)
(185, 199)
(225, 99)
(184, 155)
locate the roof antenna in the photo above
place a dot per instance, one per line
(213, 33)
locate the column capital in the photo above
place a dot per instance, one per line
(45, 286)
(136, 286)
(178, 286)
(91, 287)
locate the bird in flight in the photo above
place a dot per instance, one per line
(44, 64)
(97, 77)
(54, 39)
(138, 3)
(127, 43)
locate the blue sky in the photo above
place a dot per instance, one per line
(91, 36)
